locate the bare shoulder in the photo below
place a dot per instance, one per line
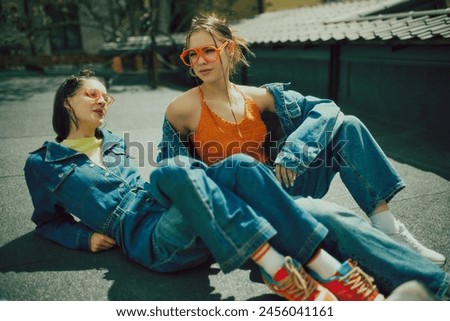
(183, 109)
(181, 105)
(260, 96)
(252, 91)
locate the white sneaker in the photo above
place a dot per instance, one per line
(403, 236)
(411, 291)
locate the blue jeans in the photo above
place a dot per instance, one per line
(363, 167)
(233, 207)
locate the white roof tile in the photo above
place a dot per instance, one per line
(350, 20)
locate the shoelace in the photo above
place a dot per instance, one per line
(296, 283)
(409, 239)
(406, 237)
(360, 281)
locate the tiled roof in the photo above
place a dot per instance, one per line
(142, 43)
(419, 24)
(349, 21)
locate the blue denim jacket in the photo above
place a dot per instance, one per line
(298, 131)
(64, 183)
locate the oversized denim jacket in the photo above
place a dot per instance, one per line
(64, 184)
(298, 131)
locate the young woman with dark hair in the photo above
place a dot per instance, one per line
(87, 196)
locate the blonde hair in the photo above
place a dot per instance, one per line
(218, 28)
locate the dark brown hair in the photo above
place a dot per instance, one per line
(61, 116)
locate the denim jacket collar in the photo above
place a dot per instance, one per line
(56, 152)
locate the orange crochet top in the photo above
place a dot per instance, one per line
(216, 138)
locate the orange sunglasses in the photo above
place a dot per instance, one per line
(210, 53)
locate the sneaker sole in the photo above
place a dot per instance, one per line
(440, 263)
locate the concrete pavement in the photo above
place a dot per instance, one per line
(32, 268)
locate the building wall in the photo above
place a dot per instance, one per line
(305, 68)
(92, 37)
(409, 83)
(244, 9)
(274, 5)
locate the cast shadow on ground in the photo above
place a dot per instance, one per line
(131, 281)
(409, 143)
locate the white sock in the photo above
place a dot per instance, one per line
(269, 259)
(385, 222)
(324, 264)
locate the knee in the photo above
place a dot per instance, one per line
(352, 122)
(177, 161)
(171, 173)
(177, 167)
(239, 161)
(352, 129)
(234, 169)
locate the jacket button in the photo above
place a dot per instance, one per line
(91, 165)
(60, 175)
(106, 174)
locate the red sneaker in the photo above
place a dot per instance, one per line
(294, 284)
(350, 283)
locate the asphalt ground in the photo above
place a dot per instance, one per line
(32, 268)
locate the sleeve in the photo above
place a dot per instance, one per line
(52, 221)
(171, 144)
(310, 123)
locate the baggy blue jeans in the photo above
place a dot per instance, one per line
(231, 208)
(362, 164)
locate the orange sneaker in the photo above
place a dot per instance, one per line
(294, 284)
(350, 283)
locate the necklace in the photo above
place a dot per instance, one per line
(235, 120)
(231, 110)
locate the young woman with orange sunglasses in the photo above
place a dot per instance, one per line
(305, 140)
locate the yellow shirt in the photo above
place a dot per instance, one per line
(91, 146)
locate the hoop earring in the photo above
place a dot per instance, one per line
(191, 72)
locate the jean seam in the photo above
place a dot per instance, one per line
(443, 288)
(312, 244)
(236, 248)
(245, 252)
(391, 192)
(174, 253)
(359, 176)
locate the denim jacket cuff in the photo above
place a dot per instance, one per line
(83, 239)
(290, 161)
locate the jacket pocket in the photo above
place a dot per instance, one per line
(121, 152)
(59, 175)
